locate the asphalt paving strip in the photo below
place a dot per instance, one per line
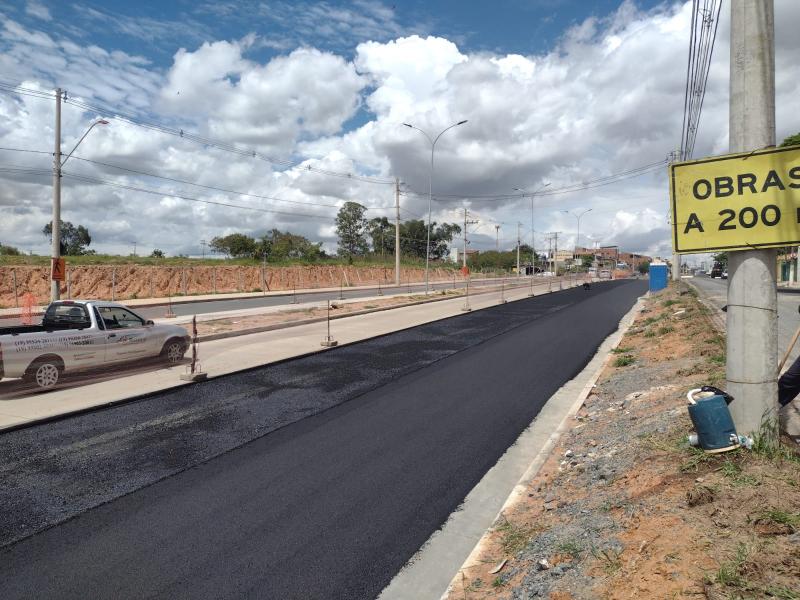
(378, 443)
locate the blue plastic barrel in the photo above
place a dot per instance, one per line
(658, 277)
(713, 423)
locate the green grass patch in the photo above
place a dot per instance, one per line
(514, 538)
(624, 360)
(621, 350)
(665, 330)
(609, 558)
(668, 303)
(650, 333)
(571, 547)
(780, 517)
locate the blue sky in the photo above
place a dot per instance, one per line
(555, 91)
(155, 30)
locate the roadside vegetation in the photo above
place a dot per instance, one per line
(625, 507)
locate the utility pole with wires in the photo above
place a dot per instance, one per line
(203, 245)
(397, 232)
(518, 245)
(752, 326)
(497, 238)
(467, 223)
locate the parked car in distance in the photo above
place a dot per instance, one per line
(77, 335)
(724, 274)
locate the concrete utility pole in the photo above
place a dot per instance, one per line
(518, 244)
(55, 252)
(466, 223)
(497, 238)
(555, 255)
(397, 231)
(752, 294)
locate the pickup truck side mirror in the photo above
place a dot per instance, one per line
(148, 322)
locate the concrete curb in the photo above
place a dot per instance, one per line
(460, 538)
(521, 489)
(355, 313)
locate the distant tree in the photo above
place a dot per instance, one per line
(156, 253)
(351, 227)
(587, 260)
(441, 236)
(721, 258)
(75, 241)
(235, 245)
(644, 267)
(414, 236)
(382, 233)
(792, 140)
(9, 250)
(279, 245)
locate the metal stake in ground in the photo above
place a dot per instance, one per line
(329, 342)
(341, 294)
(380, 291)
(195, 373)
(170, 314)
(466, 307)
(503, 292)
(294, 295)
(530, 295)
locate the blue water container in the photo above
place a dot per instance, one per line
(714, 425)
(658, 277)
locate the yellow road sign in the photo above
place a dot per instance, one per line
(736, 202)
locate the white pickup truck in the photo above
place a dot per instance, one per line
(80, 334)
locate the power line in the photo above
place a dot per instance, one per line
(698, 67)
(218, 144)
(119, 115)
(185, 182)
(567, 189)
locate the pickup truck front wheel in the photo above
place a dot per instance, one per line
(174, 350)
(45, 372)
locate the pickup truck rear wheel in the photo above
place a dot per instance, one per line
(45, 372)
(173, 351)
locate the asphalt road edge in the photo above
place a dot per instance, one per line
(460, 540)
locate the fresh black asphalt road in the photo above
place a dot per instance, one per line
(315, 478)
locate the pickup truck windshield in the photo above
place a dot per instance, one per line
(73, 315)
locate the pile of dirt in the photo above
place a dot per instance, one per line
(625, 508)
(125, 282)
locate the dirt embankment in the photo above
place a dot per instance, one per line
(625, 508)
(126, 282)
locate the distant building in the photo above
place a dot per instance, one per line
(457, 254)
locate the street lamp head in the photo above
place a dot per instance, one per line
(408, 125)
(461, 122)
(101, 122)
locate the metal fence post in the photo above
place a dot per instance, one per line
(14, 279)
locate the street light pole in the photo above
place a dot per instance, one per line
(533, 243)
(55, 225)
(578, 233)
(430, 191)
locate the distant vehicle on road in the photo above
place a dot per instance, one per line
(724, 274)
(78, 334)
(716, 271)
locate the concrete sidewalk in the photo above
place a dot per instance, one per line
(220, 357)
